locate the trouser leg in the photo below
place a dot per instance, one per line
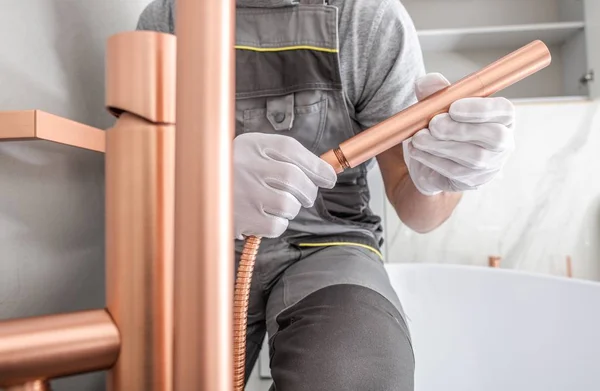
(273, 257)
(339, 327)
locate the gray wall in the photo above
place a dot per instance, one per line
(51, 196)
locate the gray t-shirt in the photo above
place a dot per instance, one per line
(380, 55)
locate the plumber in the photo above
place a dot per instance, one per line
(311, 74)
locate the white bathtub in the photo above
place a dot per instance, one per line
(483, 329)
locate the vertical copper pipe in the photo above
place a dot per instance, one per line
(36, 385)
(139, 265)
(203, 213)
(569, 267)
(140, 187)
(52, 346)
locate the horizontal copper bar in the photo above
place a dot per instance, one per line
(141, 75)
(52, 346)
(36, 385)
(36, 124)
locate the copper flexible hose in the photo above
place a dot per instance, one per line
(241, 298)
(504, 72)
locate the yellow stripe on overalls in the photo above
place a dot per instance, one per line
(342, 244)
(286, 48)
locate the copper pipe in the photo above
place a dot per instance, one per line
(502, 73)
(203, 215)
(140, 186)
(56, 345)
(139, 260)
(36, 385)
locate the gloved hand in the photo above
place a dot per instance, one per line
(462, 149)
(274, 176)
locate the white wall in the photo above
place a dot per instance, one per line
(52, 197)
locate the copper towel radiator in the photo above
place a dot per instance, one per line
(168, 321)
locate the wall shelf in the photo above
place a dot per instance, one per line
(498, 37)
(459, 37)
(39, 125)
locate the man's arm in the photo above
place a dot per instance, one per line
(419, 212)
(393, 64)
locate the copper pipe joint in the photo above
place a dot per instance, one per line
(489, 80)
(53, 346)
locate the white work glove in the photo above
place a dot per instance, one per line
(462, 149)
(274, 176)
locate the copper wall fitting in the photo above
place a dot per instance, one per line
(204, 209)
(140, 158)
(489, 80)
(140, 75)
(494, 261)
(569, 267)
(56, 345)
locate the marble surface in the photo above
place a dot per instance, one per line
(543, 207)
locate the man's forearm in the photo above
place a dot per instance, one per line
(419, 212)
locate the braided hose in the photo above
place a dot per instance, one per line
(241, 299)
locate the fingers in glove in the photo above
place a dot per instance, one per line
(473, 181)
(492, 136)
(282, 204)
(480, 110)
(316, 169)
(449, 168)
(291, 179)
(274, 228)
(430, 84)
(469, 155)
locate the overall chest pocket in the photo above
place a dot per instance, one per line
(301, 115)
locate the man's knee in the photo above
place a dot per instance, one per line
(343, 337)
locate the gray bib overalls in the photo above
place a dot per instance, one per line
(333, 319)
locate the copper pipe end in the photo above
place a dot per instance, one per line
(494, 261)
(569, 267)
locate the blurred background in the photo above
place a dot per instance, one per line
(543, 210)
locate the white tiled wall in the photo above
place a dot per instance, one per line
(544, 207)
